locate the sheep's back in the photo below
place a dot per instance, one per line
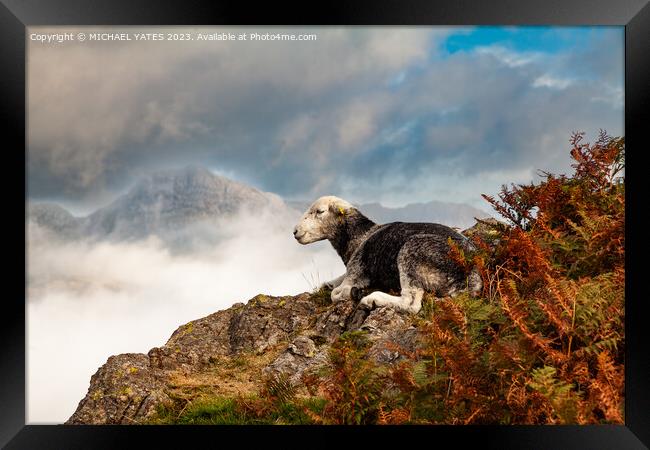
(378, 254)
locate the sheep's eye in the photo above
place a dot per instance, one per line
(320, 211)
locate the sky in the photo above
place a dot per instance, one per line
(372, 114)
(387, 114)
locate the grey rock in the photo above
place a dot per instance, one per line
(300, 356)
(130, 387)
(488, 229)
(303, 346)
(123, 391)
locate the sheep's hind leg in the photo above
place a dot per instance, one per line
(410, 301)
(412, 292)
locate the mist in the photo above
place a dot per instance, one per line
(88, 300)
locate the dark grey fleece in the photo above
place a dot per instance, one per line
(376, 255)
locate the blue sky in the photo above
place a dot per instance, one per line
(394, 115)
(524, 39)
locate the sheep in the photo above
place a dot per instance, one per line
(411, 258)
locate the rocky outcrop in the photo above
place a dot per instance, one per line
(235, 349)
(295, 330)
(124, 390)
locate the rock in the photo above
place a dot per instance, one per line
(303, 346)
(300, 356)
(488, 229)
(193, 345)
(125, 390)
(266, 336)
(338, 318)
(392, 334)
(266, 321)
(260, 324)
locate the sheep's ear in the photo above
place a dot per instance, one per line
(338, 210)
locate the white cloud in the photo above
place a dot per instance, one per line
(552, 82)
(509, 57)
(90, 301)
(356, 125)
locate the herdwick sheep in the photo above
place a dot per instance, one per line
(407, 257)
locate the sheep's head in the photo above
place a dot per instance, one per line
(321, 219)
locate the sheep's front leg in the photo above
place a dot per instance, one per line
(349, 288)
(336, 282)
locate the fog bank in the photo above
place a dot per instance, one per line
(90, 300)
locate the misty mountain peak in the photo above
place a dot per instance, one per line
(167, 199)
(40, 210)
(189, 177)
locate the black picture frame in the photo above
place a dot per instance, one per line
(16, 15)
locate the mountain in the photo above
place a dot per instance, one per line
(168, 200)
(55, 218)
(162, 203)
(458, 215)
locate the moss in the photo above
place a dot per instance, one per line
(322, 296)
(187, 328)
(127, 391)
(258, 300)
(133, 370)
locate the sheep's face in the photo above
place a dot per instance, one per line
(321, 220)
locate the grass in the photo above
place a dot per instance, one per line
(249, 410)
(322, 296)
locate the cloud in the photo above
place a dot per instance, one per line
(552, 82)
(356, 113)
(509, 57)
(88, 301)
(96, 106)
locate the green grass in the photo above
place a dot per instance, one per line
(250, 410)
